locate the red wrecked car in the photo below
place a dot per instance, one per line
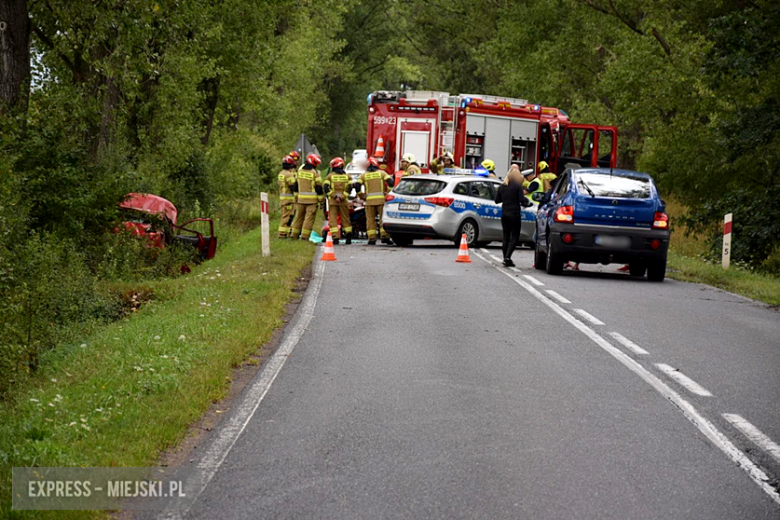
(154, 217)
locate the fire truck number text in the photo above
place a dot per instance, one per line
(382, 120)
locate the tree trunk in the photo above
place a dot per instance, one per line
(210, 88)
(14, 56)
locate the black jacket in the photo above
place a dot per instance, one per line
(512, 197)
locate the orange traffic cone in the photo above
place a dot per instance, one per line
(380, 148)
(329, 254)
(463, 253)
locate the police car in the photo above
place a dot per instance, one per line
(448, 206)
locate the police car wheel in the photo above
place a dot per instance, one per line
(470, 229)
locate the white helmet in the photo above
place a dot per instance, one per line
(408, 157)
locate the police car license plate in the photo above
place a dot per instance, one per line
(613, 242)
(409, 207)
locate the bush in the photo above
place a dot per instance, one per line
(46, 288)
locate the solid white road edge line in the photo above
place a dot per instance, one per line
(682, 379)
(591, 318)
(515, 269)
(705, 427)
(497, 259)
(630, 345)
(754, 434)
(480, 257)
(484, 250)
(228, 434)
(533, 280)
(557, 296)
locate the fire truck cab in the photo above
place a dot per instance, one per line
(475, 127)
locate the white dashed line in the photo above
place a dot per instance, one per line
(708, 429)
(557, 296)
(754, 434)
(497, 259)
(630, 345)
(685, 381)
(480, 257)
(484, 250)
(533, 280)
(588, 316)
(515, 269)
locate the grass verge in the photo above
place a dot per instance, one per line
(761, 287)
(131, 389)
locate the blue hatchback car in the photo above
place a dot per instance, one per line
(602, 215)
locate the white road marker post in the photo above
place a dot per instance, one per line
(727, 241)
(265, 234)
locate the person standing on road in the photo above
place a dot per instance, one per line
(535, 184)
(510, 195)
(409, 166)
(445, 160)
(376, 183)
(310, 197)
(490, 167)
(335, 187)
(286, 180)
(546, 176)
(296, 157)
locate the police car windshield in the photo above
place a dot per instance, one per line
(615, 186)
(419, 187)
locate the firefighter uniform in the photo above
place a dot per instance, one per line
(412, 169)
(286, 181)
(309, 198)
(375, 184)
(337, 187)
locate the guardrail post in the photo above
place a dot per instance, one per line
(265, 234)
(727, 241)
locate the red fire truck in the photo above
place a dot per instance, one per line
(475, 127)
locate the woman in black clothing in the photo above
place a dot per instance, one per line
(510, 194)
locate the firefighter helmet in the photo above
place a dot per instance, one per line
(408, 157)
(489, 165)
(313, 159)
(543, 166)
(373, 162)
(448, 155)
(288, 159)
(295, 155)
(337, 162)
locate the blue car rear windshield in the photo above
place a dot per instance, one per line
(615, 186)
(419, 187)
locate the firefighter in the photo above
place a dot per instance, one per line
(490, 166)
(296, 157)
(445, 160)
(336, 187)
(409, 166)
(547, 177)
(286, 181)
(376, 183)
(310, 197)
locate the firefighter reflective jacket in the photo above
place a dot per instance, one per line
(376, 187)
(286, 181)
(308, 182)
(338, 184)
(412, 169)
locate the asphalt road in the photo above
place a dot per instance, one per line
(417, 387)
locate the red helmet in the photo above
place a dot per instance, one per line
(313, 159)
(337, 162)
(295, 155)
(288, 159)
(373, 162)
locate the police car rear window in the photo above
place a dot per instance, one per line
(419, 187)
(614, 186)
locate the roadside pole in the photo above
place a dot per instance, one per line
(727, 241)
(265, 235)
